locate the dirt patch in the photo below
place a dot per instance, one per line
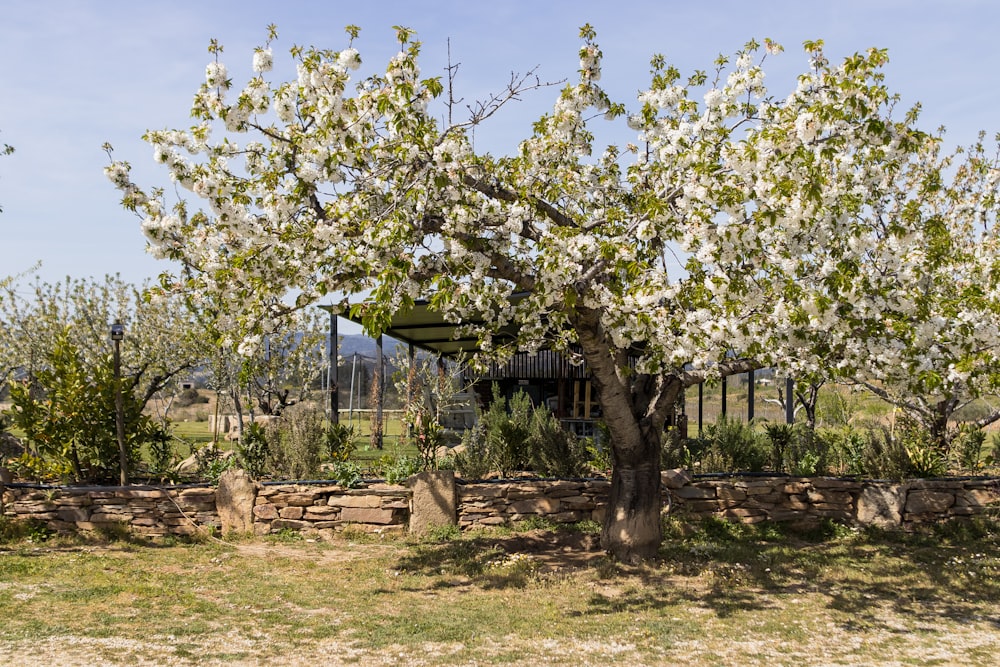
(553, 549)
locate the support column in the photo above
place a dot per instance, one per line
(789, 401)
(723, 395)
(334, 380)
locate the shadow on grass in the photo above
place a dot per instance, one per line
(865, 577)
(951, 571)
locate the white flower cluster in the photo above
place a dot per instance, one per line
(801, 232)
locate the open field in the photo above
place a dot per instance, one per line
(722, 594)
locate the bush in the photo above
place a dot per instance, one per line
(555, 452)
(294, 442)
(969, 447)
(428, 436)
(253, 450)
(473, 461)
(347, 474)
(512, 436)
(884, 455)
(339, 442)
(68, 416)
(399, 469)
(733, 445)
(212, 462)
(507, 427)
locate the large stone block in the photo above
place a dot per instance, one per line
(289, 524)
(692, 492)
(829, 497)
(293, 499)
(481, 491)
(675, 479)
(293, 512)
(435, 501)
(354, 501)
(266, 512)
(977, 498)
(731, 493)
(234, 501)
(73, 514)
(363, 515)
(320, 513)
(880, 505)
(924, 501)
(535, 506)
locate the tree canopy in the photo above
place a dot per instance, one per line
(820, 232)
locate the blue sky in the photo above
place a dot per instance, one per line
(76, 74)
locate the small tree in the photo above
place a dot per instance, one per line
(67, 413)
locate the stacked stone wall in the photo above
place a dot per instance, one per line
(161, 511)
(151, 511)
(564, 501)
(858, 502)
(323, 510)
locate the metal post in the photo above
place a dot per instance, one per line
(350, 399)
(333, 372)
(701, 406)
(117, 334)
(789, 401)
(723, 395)
(380, 379)
(750, 397)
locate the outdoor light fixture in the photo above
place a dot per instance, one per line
(117, 334)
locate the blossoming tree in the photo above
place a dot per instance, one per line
(321, 186)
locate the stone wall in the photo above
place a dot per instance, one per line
(144, 510)
(741, 498)
(564, 501)
(322, 509)
(857, 502)
(184, 510)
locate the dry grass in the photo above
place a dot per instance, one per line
(720, 595)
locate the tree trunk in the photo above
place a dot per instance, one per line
(632, 531)
(634, 408)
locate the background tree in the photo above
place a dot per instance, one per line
(162, 341)
(904, 301)
(317, 189)
(273, 372)
(67, 413)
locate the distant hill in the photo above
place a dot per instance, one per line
(365, 346)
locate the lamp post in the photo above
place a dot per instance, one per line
(117, 334)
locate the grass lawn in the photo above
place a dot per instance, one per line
(721, 594)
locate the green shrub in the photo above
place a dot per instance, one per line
(68, 414)
(427, 436)
(212, 462)
(347, 474)
(885, 454)
(399, 469)
(508, 427)
(339, 442)
(734, 446)
(554, 451)
(969, 447)
(294, 442)
(472, 462)
(253, 450)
